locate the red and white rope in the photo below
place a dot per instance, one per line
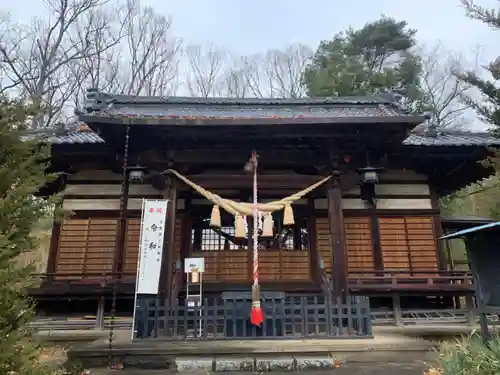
(255, 228)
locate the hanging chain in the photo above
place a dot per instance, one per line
(123, 203)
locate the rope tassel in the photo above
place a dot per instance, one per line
(215, 220)
(256, 315)
(267, 226)
(288, 218)
(239, 226)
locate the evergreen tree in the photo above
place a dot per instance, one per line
(367, 61)
(23, 165)
(488, 106)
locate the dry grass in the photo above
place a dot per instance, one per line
(54, 354)
(38, 257)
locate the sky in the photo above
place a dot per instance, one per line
(248, 27)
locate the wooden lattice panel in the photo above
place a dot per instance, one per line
(295, 265)
(393, 244)
(408, 243)
(269, 266)
(225, 266)
(422, 243)
(86, 246)
(323, 242)
(101, 245)
(132, 238)
(72, 248)
(359, 244)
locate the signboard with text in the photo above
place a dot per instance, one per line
(194, 265)
(154, 213)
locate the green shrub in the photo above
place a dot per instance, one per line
(470, 356)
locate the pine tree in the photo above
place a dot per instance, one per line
(23, 165)
(377, 57)
(488, 106)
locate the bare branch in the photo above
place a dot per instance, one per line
(441, 88)
(143, 59)
(36, 58)
(205, 69)
(277, 73)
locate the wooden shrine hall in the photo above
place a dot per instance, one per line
(371, 229)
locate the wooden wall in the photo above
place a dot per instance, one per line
(406, 241)
(274, 266)
(86, 246)
(87, 240)
(358, 243)
(404, 222)
(396, 190)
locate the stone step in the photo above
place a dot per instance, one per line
(407, 368)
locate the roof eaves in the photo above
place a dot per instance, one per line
(214, 121)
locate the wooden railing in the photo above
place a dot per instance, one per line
(79, 277)
(401, 280)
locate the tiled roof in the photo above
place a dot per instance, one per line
(117, 106)
(65, 136)
(453, 139)
(232, 111)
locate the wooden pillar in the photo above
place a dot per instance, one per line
(99, 320)
(396, 307)
(471, 311)
(313, 247)
(122, 228)
(56, 232)
(377, 246)
(336, 221)
(167, 262)
(438, 232)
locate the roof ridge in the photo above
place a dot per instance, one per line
(96, 100)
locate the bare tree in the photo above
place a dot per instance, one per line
(277, 73)
(441, 88)
(233, 83)
(37, 59)
(145, 62)
(205, 68)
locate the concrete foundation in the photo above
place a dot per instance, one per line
(251, 355)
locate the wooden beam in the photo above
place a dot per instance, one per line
(336, 221)
(239, 157)
(242, 181)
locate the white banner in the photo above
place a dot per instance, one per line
(151, 246)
